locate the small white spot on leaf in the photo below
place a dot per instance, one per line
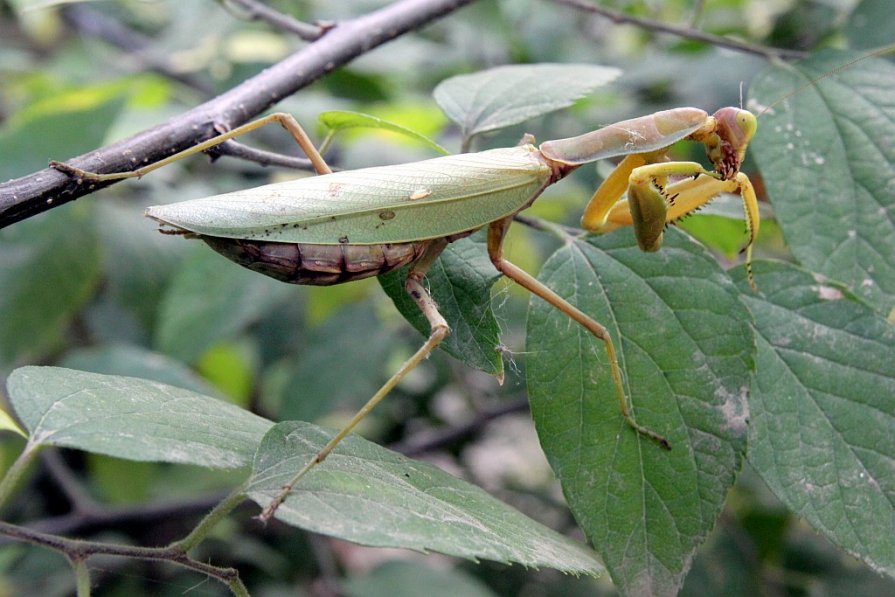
(735, 409)
(828, 293)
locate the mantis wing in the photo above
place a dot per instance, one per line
(390, 204)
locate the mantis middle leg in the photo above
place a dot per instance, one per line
(439, 331)
(496, 233)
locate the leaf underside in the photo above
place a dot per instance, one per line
(367, 494)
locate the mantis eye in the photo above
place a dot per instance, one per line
(748, 124)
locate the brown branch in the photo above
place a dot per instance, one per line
(685, 32)
(263, 157)
(24, 197)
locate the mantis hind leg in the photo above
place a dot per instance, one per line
(287, 121)
(496, 232)
(439, 331)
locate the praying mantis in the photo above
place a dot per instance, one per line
(339, 227)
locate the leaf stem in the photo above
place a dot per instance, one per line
(198, 534)
(14, 474)
(82, 576)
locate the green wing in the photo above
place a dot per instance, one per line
(389, 204)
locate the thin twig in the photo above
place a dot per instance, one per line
(265, 158)
(261, 12)
(567, 233)
(685, 32)
(210, 520)
(79, 549)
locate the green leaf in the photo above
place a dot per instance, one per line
(210, 300)
(685, 346)
(339, 120)
(134, 361)
(823, 409)
(460, 281)
(132, 418)
(829, 164)
(370, 495)
(870, 25)
(507, 95)
(50, 267)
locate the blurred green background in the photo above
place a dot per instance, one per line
(93, 286)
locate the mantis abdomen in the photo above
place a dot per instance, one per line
(316, 265)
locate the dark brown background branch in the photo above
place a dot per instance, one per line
(685, 32)
(24, 197)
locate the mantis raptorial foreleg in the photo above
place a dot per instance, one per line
(496, 233)
(652, 202)
(607, 195)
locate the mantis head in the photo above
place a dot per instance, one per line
(734, 129)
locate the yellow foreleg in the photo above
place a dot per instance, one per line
(608, 194)
(685, 197)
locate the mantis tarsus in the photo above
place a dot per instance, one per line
(339, 227)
